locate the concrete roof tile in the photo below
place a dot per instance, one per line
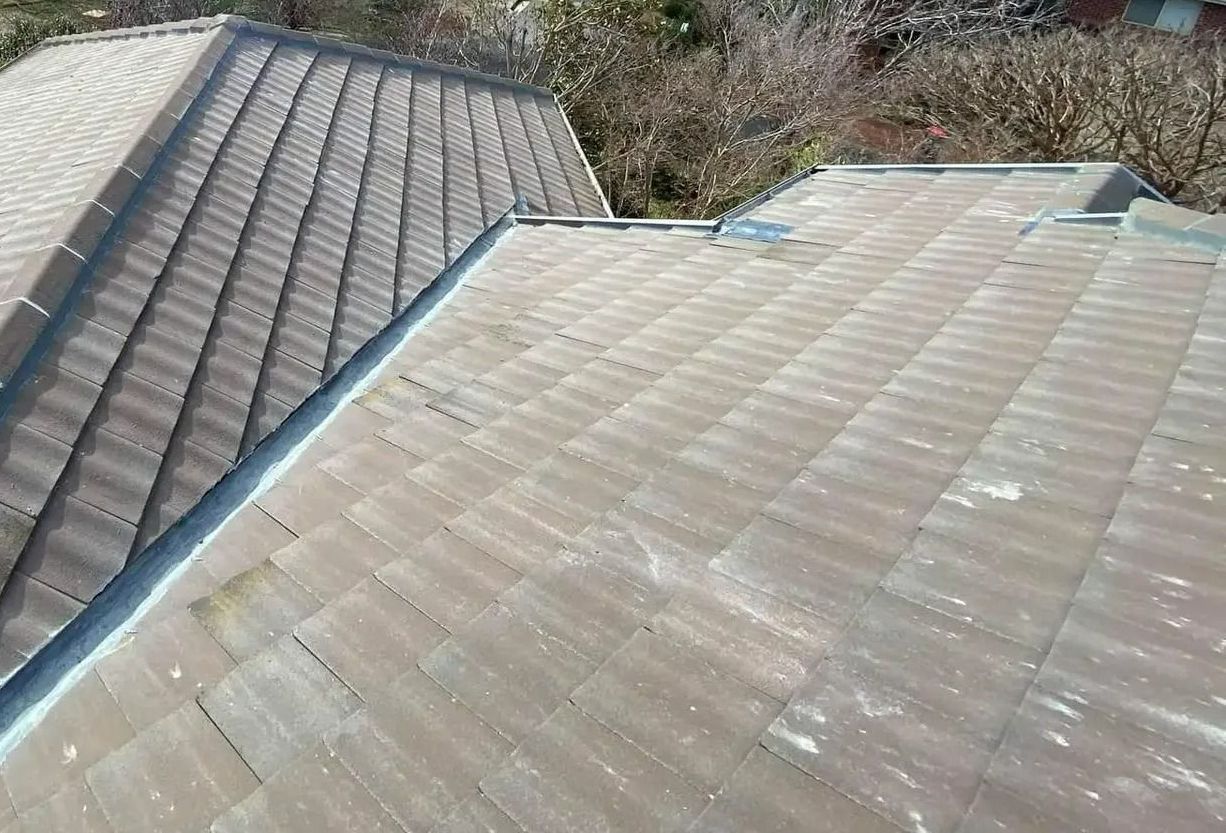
(515, 528)
(477, 814)
(909, 762)
(695, 720)
(161, 667)
(56, 403)
(301, 797)
(86, 725)
(73, 807)
(1149, 678)
(1082, 762)
(807, 480)
(369, 634)
(149, 784)
(510, 680)
(254, 609)
(290, 717)
(556, 781)
(590, 608)
(302, 508)
(76, 547)
(794, 800)
(417, 749)
(849, 513)
(753, 636)
(448, 579)
(829, 580)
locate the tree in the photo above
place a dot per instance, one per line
(896, 28)
(1149, 100)
(25, 32)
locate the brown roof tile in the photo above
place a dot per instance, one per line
(647, 531)
(278, 227)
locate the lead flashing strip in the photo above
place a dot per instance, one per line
(27, 695)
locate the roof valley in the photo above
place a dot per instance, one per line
(196, 339)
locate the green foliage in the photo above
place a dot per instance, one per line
(26, 32)
(681, 22)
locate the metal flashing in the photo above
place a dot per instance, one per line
(760, 230)
(587, 165)
(27, 695)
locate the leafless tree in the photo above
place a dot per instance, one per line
(699, 129)
(1150, 100)
(295, 14)
(569, 47)
(123, 13)
(894, 28)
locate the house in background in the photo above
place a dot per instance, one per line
(1184, 16)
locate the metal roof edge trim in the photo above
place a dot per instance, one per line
(161, 120)
(1176, 224)
(27, 695)
(243, 25)
(786, 183)
(614, 222)
(587, 166)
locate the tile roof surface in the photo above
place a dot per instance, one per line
(216, 215)
(907, 520)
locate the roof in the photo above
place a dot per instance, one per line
(200, 224)
(879, 506)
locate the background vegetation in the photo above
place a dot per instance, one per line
(686, 107)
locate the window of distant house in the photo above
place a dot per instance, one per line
(1171, 15)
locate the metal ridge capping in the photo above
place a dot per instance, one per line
(32, 689)
(757, 200)
(52, 278)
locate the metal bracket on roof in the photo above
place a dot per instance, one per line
(754, 230)
(1071, 215)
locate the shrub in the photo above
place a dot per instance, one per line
(25, 32)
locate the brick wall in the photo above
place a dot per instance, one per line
(1212, 16)
(1212, 19)
(1097, 11)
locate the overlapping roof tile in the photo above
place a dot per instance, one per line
(905, 520)
(200, 223)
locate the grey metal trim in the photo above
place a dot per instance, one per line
(36, 686)
(587, 166)
(614, 222)
(775, 190)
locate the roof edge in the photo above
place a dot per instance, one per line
(759, 199)
(239, 24)
(587, 165)
(615, 222)
(242, 25)
(49, 280)
(195, 24)
(1176, 224)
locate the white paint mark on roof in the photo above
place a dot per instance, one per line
(996, 489)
